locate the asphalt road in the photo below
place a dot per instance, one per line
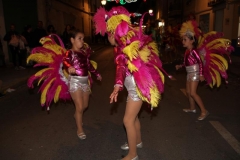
(27, 132)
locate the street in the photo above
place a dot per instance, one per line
(28, 132)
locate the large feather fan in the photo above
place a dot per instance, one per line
(53, 77)
(213, 50)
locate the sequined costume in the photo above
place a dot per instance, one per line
(54, 77)
(212, 49)
(80, 61)
(136, 55)
(193, 64)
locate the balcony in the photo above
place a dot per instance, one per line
(213, 3)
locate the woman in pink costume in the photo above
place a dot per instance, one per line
(77, 63)
(194, 68)
(138, 68)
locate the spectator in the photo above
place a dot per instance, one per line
(51, 30)
(39, 32)
(2, 56)
(65, 35)
(12, 37)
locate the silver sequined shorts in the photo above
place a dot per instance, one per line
(130, 84)
(78, 82)
(193, 72)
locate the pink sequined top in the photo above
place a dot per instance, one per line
(192, 57)
(121, 67)
(80, 61)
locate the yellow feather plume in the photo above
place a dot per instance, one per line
(144, 54)
(141, 96)
(154, 47)
(155, 96)
(220, 65)
(213, 79)
(94, 64)
(218, 77)
(132, 50)
(44, 92)
(40, 58)
(114, 21)
(160, 73)
(39, 73)
(221, 58)
(131, 67)
(56, 96)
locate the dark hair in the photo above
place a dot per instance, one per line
(72, 34)
(195, 41)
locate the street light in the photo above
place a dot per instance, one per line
(150, 11)
(103, 2)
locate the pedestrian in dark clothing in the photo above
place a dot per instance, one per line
(12, 37)
(2, 55)
(65, 36)
(39, 32)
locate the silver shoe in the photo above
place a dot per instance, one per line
(126, 147)
(190, 110)
(82, 136)
(200, 118)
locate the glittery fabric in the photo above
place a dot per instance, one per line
(191, 58)
(80, 61)
(193, 72)
(78, 82)
(130, 84)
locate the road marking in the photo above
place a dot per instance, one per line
(227, 136)
(184, 91)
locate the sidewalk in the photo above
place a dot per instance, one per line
(12, 78)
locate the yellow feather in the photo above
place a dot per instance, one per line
(40, 80)
(44, 92)
(218, 77)
(132, 50)
(220, 66)
(144, 54)
(56, 96)
(131, 67)
(213, 79)
(94, 64)
(40, 58)
(221, 58)
(155, 96)
(141, 96)
(154, 47)
(65, 73)
(39, 73)
(161, 74)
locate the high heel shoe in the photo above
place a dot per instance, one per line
(189, 110)
(203, 116)
(82, 136)
(126, 147)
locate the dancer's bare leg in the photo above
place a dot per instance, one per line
(132, 126)
(196, 97)
(190, 98)
(77, 97)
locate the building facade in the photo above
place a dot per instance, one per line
(58, 13)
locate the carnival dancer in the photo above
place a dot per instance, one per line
(67, 73)
(138, 68)
(78, 65)
(203, 61)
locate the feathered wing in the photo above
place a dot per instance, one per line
(146, 68)
(213, 49)
(53, 78)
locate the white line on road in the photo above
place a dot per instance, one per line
(184, 91)
(227, 136)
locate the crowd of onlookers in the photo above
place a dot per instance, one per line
(20, 44)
